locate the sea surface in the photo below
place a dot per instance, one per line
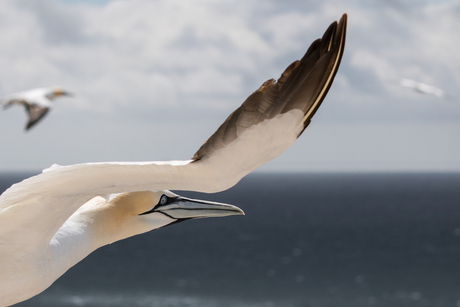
(319, 240)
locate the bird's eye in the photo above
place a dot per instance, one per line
(163, 200)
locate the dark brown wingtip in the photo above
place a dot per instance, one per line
(336, 36)
(343, 19)
(302, 85)
(342, 32)
(29, 125)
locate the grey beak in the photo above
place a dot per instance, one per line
(186, 208)
(69, 94)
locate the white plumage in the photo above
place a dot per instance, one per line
(51, 221)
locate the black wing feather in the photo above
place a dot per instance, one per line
(36, 113)
(303, 85)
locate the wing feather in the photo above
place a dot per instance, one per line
(10, 102)
(36, 113)
(303, 86)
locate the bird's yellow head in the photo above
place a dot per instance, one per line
(57, 92)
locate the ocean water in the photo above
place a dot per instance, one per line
(320, 240)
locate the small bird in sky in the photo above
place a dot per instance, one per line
(37, 102)
(423, 88)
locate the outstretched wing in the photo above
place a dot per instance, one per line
(11, 102)
(36, 113)
(302, 86)
(35, 110)
(276, 114)
(265, 125)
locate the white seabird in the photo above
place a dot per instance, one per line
(51, 221)
(37, 102)
(423, 88)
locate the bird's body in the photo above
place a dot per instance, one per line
(51, 221)
(37, 102)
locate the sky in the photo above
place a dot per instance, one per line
(155, 78)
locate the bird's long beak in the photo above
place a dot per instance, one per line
(69, 94)
(186, 208)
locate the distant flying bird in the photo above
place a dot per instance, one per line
(52, 221)
(37, 102)
(424, 88)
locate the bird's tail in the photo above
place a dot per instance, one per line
(5, 104)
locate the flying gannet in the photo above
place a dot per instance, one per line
(423, 88)
(37, 102)
(51, 221)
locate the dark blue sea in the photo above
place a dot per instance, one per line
(319, 240)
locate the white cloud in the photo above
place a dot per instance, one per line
(130, 61)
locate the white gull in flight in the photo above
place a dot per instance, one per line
(423, 88)
(37, 102)
(52, 221)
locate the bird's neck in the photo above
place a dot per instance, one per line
(95, 224)
(32, 272)
(80, 235)
(70, 245)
